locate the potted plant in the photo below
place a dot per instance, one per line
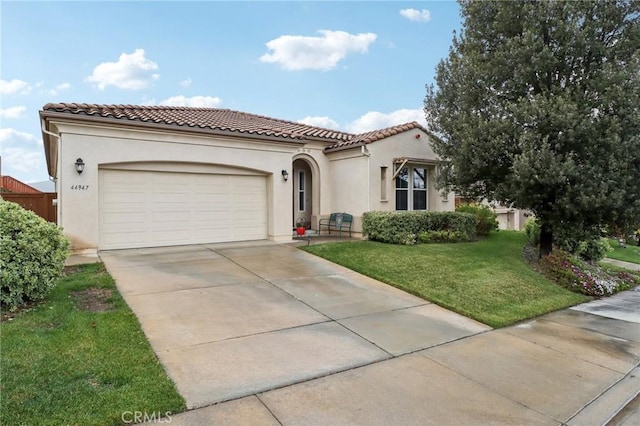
(300, 228)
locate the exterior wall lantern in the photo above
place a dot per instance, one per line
(79, 166)
(285, 175)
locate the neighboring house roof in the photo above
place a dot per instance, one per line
(11, 184)
(44, 186)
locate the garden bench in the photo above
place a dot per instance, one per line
(336, 222)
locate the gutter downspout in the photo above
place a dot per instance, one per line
(51, 178)
(367, 154)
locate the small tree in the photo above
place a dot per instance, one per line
(538, 106)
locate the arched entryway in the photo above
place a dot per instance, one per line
(306, 191)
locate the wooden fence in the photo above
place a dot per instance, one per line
(41, 204)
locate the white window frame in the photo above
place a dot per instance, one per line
(410, 188)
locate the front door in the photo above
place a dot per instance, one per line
(302, 193)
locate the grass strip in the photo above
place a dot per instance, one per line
(77, 361)
(630, 253)
(486, 280)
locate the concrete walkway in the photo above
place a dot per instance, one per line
(622, 264)
(287, 338)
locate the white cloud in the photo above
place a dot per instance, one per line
(21, 160)
(8, 135)
(13, 112)
(14, 86)
(375, 120)
(21, 152)
(325, 122)
(194, 101)
(416, 15)
(186, 83)
(316, 53)
(132, 71)
(59, 88)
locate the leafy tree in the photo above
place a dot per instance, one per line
(537, 106)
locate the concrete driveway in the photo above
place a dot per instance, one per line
(287, 338)
(231, 320)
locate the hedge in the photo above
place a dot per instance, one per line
(405, 227)
(32, 255)
(486, 217)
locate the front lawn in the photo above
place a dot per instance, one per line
(630, 253)
(80, 358)
(486, 280)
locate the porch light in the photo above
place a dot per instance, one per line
(79, 166)
(285, 175)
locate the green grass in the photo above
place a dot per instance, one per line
(486, 280)
(629, 254)
(64, 365)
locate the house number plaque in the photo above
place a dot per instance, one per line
(79, 187)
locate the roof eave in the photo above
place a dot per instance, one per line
(44, 114)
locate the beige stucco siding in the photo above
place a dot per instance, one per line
(322, 179)
(405, 145)
(356, 175)
(349, 175)
(99, 147)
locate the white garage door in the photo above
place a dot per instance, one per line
(150, 209)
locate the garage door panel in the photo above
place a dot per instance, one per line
(146, 209)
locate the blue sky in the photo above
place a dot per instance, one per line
(352, 66)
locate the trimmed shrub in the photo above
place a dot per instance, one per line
(532, 229)
(594, 250)
(440, 237)
(589, 244)
(32, 255)
(486, 218)
(404, 227)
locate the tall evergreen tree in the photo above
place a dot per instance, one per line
(538, 107)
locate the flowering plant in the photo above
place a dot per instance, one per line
(584, 277)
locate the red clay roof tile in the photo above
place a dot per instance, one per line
(232, 121)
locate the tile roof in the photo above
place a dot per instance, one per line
(375, 135)
(229, 121)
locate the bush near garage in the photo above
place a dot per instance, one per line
(32, 255)
(406, 227)
(486, 218)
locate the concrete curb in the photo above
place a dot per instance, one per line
(608, 404)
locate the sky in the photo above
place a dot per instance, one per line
(352, 66)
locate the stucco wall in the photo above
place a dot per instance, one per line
(322, 181)
(356, 176)
(99, 146)
(406, 145)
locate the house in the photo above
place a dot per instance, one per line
(509, 218)
(11, 184)
(145, 176)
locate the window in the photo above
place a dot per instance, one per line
(402, 189)
(301, 194)
(411, 189)
(383, 183)
(419, 188)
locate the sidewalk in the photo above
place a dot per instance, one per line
(577, 366)
(622, 264)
